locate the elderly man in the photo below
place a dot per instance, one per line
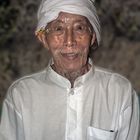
(71, 99)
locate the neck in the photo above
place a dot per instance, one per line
(72, 75)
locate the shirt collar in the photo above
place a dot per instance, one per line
(64, 82)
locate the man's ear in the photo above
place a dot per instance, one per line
(42, 38)
(93, 39)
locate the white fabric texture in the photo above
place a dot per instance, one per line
(50, 9)
(43, 106)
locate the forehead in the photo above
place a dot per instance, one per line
(63, 15)
(69, 18)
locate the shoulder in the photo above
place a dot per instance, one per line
(114, 85)
(23, 89)
(111, 77)
(23, 84)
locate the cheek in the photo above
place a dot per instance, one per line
(54, 42)
(84, 55)
(55, 45)
(84, 47)
(84, 41)
(54, 52)
(84, 51)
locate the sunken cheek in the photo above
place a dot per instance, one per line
(55, 42)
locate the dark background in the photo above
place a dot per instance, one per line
(22, 54)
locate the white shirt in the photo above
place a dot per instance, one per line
(43, 106)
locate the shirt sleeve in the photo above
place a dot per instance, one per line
(11, 126)
(129, 121)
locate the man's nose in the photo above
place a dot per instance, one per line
(69, 38)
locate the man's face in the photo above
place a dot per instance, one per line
(68, 39)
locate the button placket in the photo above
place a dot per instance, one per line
(74, 113)
(71, 123)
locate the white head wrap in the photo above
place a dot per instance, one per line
(50, 9)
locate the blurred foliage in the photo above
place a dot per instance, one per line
(21, 54)
(122, 16)
(4, 3)
(8, 17)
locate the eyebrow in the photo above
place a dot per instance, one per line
(58, 21)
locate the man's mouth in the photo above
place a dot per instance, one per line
(70, 56)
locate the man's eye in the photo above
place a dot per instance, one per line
(80, 28)
(59, 28)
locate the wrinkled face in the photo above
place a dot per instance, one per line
(68, 39)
